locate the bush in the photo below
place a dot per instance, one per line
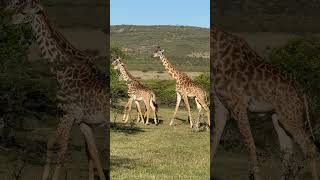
(27, 92)
(301, 56)
(27, 89)
(204, 81)
(165, 91)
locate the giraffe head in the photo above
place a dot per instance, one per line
(27, 12)
(158, 53)
(117, 63)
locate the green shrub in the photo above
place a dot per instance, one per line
(165, 91)
(27, 89)
(301, 56)
(27, 93)
(204, 81)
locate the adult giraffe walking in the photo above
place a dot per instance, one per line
(185, 88)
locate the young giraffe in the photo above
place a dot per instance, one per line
(82, 93)
(185, 88)
(244, 83)
(137, 92)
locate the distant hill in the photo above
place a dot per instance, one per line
(270, 7)
(187, 47)
(300, 16)
(80, 13)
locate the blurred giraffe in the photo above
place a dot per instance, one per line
(82, 94)
(244, 83)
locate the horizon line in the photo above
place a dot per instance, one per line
(160, 25)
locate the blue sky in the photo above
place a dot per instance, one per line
(161, 12)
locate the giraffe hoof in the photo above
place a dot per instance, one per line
(251, 176)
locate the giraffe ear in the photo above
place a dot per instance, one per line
(162, 50)
(37, 6)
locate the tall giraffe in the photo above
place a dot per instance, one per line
(244, 83)
(82, 93)
(137, 92)
(185, 88)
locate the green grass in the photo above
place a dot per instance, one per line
(159, 152)
(235, 164)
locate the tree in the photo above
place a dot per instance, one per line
(27, 89)
(301, 57)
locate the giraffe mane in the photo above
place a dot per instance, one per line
(60, 38)
(128, 73)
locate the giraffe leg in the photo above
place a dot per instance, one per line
(154, 112)
(90, 163)
(146, 102)
(286, 147)
(241, 115)
(203, 103)
(50, 144)
(301, 137)
(221, 117)
(62, 131)
(92, 149)
(145, 112)
(140, 117)
(199, 107)
(186, 102)
(65, 135)
(128, 110)
(125, 110)
(177, 107)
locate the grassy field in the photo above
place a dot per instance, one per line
(29, 162)
(229, 165)
(158, 152)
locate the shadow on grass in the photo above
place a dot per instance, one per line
(182, 121)
(151, 121)
(202, 125)
(125, 128)
(120, 162)
(214, 178)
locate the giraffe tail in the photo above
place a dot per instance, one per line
(315, 141)
(205, 95)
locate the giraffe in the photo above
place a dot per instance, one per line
(83, 90)
(185, 88)
(243, 83)
(137, 92)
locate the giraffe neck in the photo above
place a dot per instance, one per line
(52, 43)
(126, 76)
(169, 67)
(231, 50)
